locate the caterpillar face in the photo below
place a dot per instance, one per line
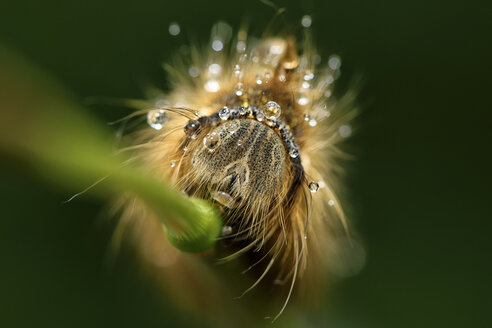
(247, 159)
(248, 163)
(254, 129)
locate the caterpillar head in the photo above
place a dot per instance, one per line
(248, 163)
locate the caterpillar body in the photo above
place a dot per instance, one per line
(252, 126)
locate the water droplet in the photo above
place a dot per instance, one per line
(260, 116)
(226, 230)
(156, 118)
(233, 127)
(344, 131)
(259, 80)
(331, 202)
(217, 45)
(237, 71)
(191, 128)
(173, 163)
(308, 76)
(327, 93)
(243, 110)
(313, 122)
(185, 149)
(305, 85)
(239, 89)
(241, 46)
(222, 198)
(307, 117)
(193, 71)
(212, 86)
(214, 69)
(211, 141)
(313, 186)
(334, 62)
(294, 152)
(282, 78)
(224, 113)
(174, 29)
(272, 110)
(306, 21)
(303, 101)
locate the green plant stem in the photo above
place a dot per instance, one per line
(59, 141)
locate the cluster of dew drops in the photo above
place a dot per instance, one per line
(157, 118)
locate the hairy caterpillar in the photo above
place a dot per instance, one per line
(250, 125)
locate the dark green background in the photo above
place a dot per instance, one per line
(420, 189)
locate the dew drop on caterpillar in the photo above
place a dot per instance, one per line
(252, 126)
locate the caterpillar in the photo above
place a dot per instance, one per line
(251, 125)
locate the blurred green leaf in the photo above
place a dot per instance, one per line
(59, 141)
